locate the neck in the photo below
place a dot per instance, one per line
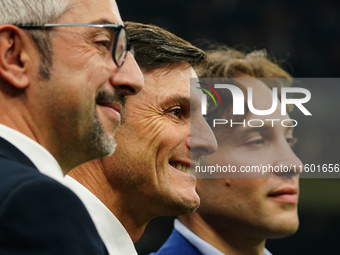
(122, 204)
(224, 237)
(24, 124)
(21, 110)
(131, 217)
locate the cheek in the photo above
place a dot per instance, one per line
(249, 189)
(215, 158)
(175, 135)
(143, 124)
(140, 140)
(222, 157)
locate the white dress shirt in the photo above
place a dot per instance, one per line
(39, 156)
(201, 245)
(112, 232)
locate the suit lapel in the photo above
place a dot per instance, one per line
(8, 150)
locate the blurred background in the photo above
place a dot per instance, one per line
(306, 36)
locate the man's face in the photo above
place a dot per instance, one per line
(255, 207)
(152, 160)
(86, 90)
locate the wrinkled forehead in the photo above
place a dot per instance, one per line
(89, 11)
(169, 78)
(166, 85)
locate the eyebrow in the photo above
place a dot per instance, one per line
(177, 98)
(104, 21)
(264, 128)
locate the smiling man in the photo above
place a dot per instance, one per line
(148, 175)
(62, 83)
(239, 211)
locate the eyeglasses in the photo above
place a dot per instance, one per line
(120, 44)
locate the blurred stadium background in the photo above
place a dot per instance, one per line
(306, 35)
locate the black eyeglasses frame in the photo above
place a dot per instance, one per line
(116, 27)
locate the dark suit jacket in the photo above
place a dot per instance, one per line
(38, 215)
(176, 244)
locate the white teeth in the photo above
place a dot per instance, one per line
(181, 167)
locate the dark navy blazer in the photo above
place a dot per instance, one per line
(176, 244)
(38, 215)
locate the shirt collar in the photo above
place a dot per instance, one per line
(266, 252)
(203, 246)
(112, 232)
(40, 157)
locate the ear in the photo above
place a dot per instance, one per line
(13, 57)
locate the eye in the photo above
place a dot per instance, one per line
(104, 42)
(176, 113)
(256, 142)
(103, 39)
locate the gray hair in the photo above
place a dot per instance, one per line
(35, 12)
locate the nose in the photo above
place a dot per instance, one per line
(202, 139)
(128, 79)
(289, 164)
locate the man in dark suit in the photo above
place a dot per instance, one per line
(62, 87)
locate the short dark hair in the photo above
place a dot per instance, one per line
(155, 47)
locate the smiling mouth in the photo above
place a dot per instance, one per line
(181, 167)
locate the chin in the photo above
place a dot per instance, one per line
(193, 205)
(186, 208)
(182, 206)
(284, 230)
(190, 204)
